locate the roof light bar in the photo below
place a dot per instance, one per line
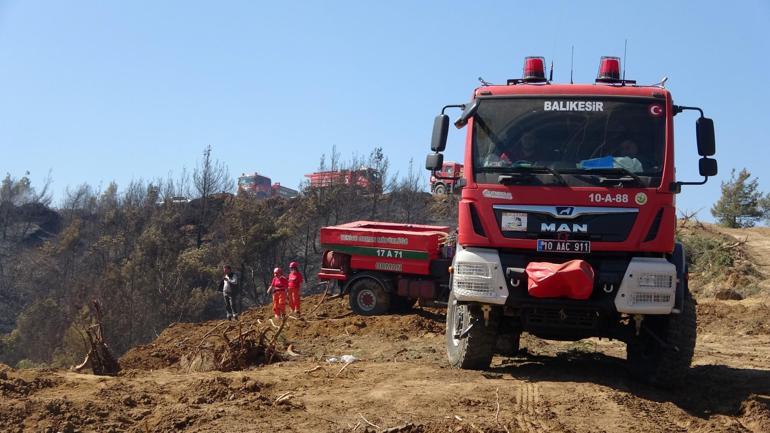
(609, 70)
(534, 69)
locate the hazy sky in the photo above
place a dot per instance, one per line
(97, 91)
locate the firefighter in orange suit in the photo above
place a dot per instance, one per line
(278, 288)
(295, 284)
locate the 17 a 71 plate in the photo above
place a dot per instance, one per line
(563, 246)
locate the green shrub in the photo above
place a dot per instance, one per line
(717, 262)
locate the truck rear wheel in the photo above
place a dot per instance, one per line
(470, 342)
(664, 363)
(368, 297)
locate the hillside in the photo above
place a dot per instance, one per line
(400, 381)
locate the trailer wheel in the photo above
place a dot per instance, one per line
(439, 189)
(368, 297)
(664, 365)
(470, 341)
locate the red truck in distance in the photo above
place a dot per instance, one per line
(447, 180)
(262, 188)
(579, 177)
(365, 178)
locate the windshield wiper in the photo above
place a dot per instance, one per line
(521, 172)
(625, 174)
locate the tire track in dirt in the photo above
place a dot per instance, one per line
(532, 412)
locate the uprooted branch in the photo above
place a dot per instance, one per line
(254, 344)
(100, 357)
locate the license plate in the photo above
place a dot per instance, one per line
(563, 246)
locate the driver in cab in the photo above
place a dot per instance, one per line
(525, 150)
(629, 157)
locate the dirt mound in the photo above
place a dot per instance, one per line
(754, 416)
(166, 350)
(734, 317)
(15, 383)
(755, 413)
(327, 331)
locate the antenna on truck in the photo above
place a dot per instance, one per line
(571, 65)
(625, 49)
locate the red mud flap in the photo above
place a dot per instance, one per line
(573, 279)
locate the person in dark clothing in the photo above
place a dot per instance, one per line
(229, 287)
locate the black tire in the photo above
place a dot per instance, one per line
(439, 189)
(400, 304)
(664, 366)
(474, 350)
(508, 344)
(368, 297)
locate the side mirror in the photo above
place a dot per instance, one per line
(468, 112)
(704, 131)
(707, 167)
(440, 129)
(434, 161)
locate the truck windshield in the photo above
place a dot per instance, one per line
(586, 140)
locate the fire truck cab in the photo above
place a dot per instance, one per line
(447, 180)
(556, 173)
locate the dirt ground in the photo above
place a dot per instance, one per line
(400, 382)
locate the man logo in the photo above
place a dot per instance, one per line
(563, 228)
(564, 211)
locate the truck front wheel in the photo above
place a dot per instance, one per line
(662, 353)
(368, 297)
(439, 189)
(470, 339)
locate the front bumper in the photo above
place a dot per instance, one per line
(624, 283)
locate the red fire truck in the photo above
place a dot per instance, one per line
(262, 188)
(448, 180)
(387, 267)
(365, 178)
(556, 173)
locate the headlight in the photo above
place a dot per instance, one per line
(655, 281)
(650, 298)
(472, 269)
(471, 287)
(472, 279)
(478, 277)
(648, 287)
